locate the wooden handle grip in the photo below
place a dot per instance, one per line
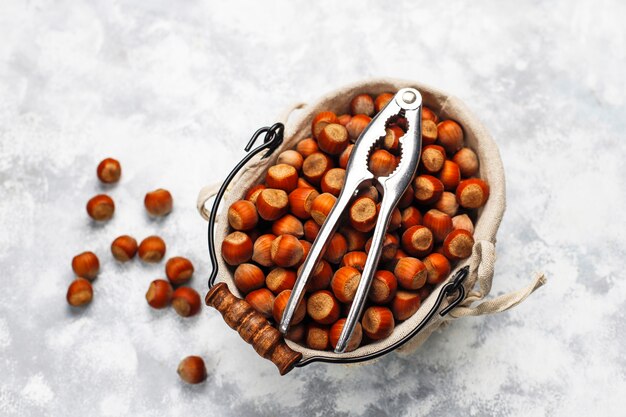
(252, 327)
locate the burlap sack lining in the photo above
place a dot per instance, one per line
(297, 120)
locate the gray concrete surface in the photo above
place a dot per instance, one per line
(173, 90)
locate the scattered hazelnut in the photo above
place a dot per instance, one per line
(79, 293)
(109, 171)
(152, 249)
(86, 265)
(192, 370)
(101, 207)
(178, 270)
(158, 202)
(186, 301)
(124, 248)
(159, 293)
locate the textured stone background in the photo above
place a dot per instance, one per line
(174, 91)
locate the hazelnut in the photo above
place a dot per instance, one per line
(345, 282)
(357, 125)
(411, 217)
(427, 188)
(307, 147)
(296, 333)
(186, 301)
(383, 288)
(439, 223)
(450, 175)
(362, 104)
(363, 214)
(253, 193)
(462, 221)
(433, 158)
(282, 177)
(332, 181)
(447, 204)
(178, 270)
(242, 215)
(389, 248)
(262, 250)
(272, 204)
(286, 251)
(323, 307)
(337, 247)
(467, 161)
(382, 163)
(333, 139)
(86, 265)
(109, 171)
(152, 249)
(438, 268)
(79, 293)
(301, 200)
(248, 277)
(356, 240)
(192, 370)
(321, 120)
(315, 166)
(458, 245)
(262, 300)
(321, 207)
(291, 157)
(428, 114)
(355, 259)
(417, 241)
(355, 340)
(280, 302)
(450, 135)
(345, 156)
(377, 322)
(280, 279)
(158, 202)
(472, 193)
(429, 132)
(320, 277)
(159, 293)
(392, 138)
(382, 100)
(288, 225)
(411, 273)
(124, 248)
(405, 304)
(317, 337)
(101, 207)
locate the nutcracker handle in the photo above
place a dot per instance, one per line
(253, 327)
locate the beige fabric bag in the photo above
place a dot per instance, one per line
(297, 121)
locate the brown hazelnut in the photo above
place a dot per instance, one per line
(158, 202)
(192, 370)
(101, 207)
(86, 265)
(79, 293)
(109, 171)
(124, 248)
(151, 249)
(179, 270)
(159, 293)
(186, 301)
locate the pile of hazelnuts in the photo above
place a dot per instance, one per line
(161, 293)
(275, 224)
